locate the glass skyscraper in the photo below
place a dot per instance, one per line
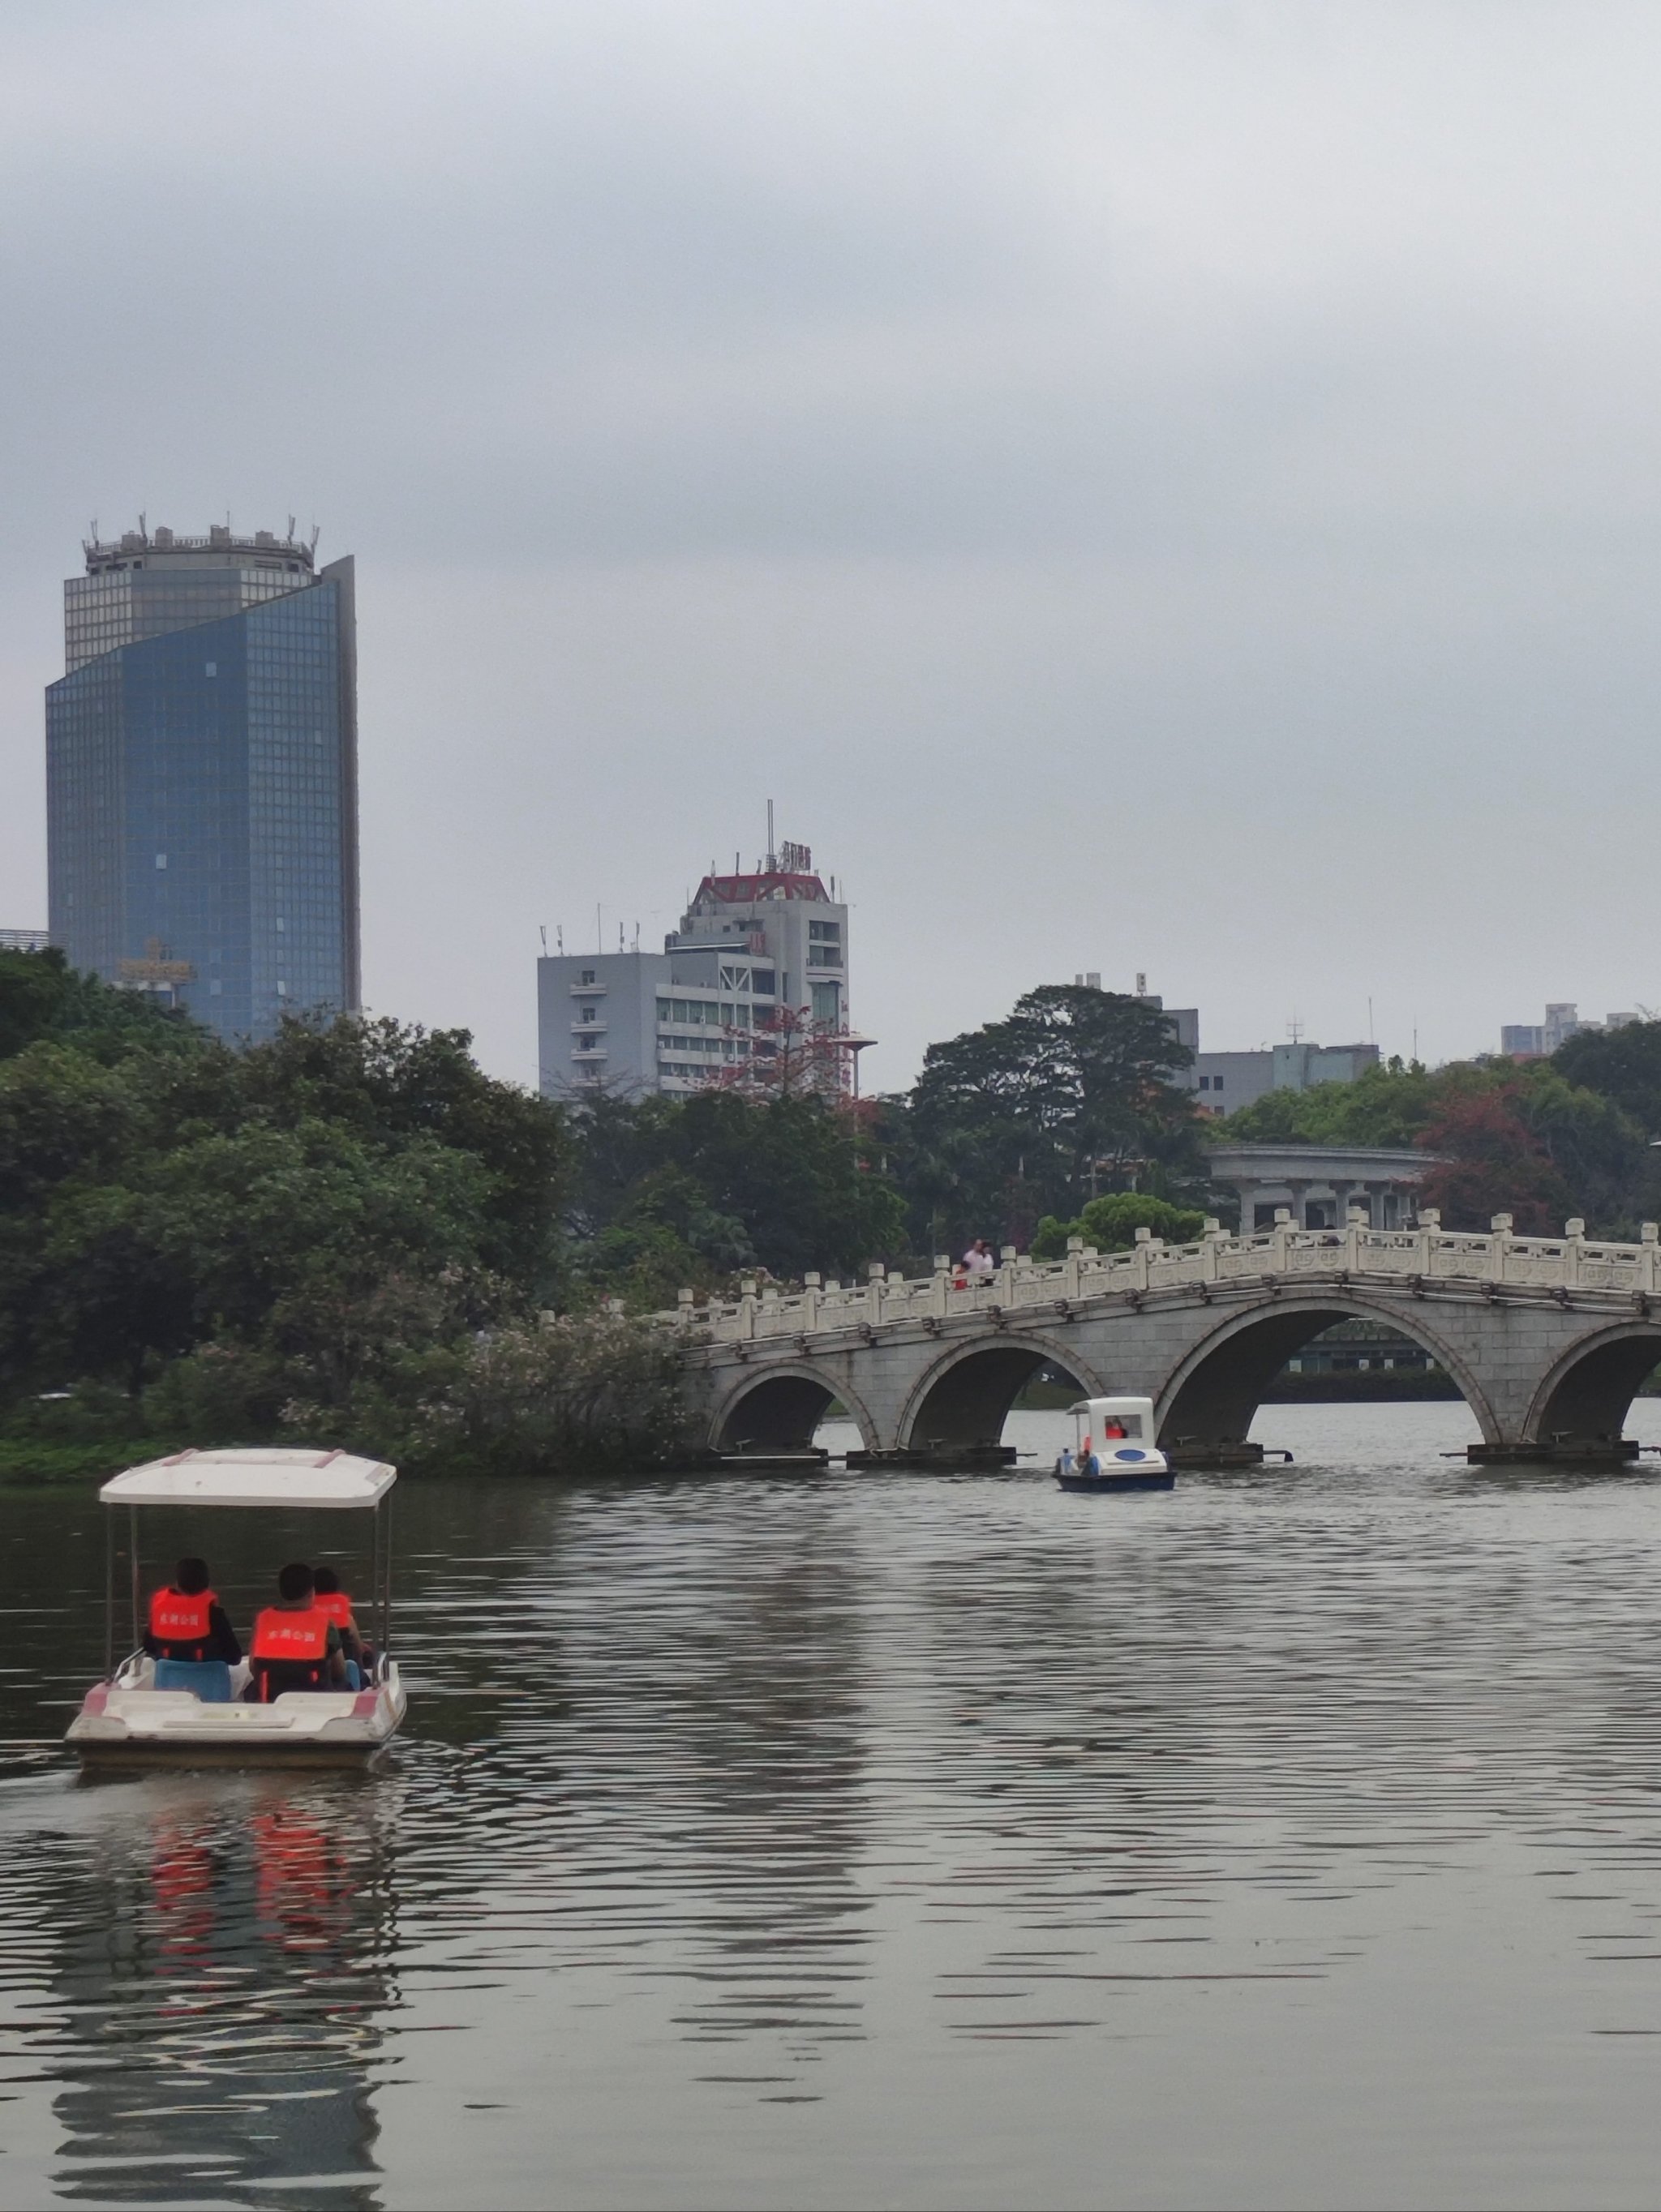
(202, 776)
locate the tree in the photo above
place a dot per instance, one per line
(1035, 1114)
(1491, 1162)
(1110, 1224)
(1622, 1065)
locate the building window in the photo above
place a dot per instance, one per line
(1205, 1083)
(588, 976)
(1216, 1082)
(161, 859)
(588, 1013)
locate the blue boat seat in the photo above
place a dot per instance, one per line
(209, 1679)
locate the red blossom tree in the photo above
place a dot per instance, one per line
(1491, 1162)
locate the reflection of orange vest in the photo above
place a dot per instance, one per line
(177, 1619)
(337, 1605)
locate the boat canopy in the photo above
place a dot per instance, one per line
(288, 1475)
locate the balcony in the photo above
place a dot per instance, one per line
(588, 990)
(589, 1029)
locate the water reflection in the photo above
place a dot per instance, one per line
(225, 1968)
(922, 1842)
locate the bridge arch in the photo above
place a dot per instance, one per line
(780, 1407)
(1589, 1391)
(963, 1397)
(1216, 1390)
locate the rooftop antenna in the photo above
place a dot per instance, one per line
(544, 940)
(772, 860)
(316, 534)
(142, 531)
(291, 530)
(559, 938)
(599, 942)
(1370, 1038)
(1295, 1030)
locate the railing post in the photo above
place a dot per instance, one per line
(874, 1274)
(1500, 1241)
(1430, 1222)
(942, 1297)
(1141, 1254)
(1356, 1220)
(746, 1306)
(1648, 1253)
(1279, 1240)
(1007, 1275)
(1210, 1240)
(811, 1298)
(1074, 1262)
(684, 1308)
(1574, 1238)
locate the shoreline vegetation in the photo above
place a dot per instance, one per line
(349, 1233)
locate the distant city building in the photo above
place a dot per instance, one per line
(1539, 1040)
(202, 776)
(24, 940)
(1226, 1081)
(756, 954)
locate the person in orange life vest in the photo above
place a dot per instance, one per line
(329, 1598)
(187, 1621)
(1113, 1429)
(295, 1646)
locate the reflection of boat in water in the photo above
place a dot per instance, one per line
(1113, 1448)
(205, 1719)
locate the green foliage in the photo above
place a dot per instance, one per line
(1385, 1106)
(1623, 1065)
(671, 1192)
(1525, 1140)
(1028, 1115)
(1110, 1224)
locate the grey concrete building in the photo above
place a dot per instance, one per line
(754, 953)
(1318, 1184)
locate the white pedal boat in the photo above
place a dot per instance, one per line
(125, 1720)
(1113, 1448)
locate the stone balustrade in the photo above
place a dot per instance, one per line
(1425, 1256)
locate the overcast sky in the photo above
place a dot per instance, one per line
(1144, 487)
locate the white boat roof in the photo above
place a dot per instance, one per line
(285, 1475)
(1097, 1406)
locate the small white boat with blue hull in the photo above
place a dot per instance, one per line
(1113, 1448)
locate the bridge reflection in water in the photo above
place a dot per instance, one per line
(1547, 1337)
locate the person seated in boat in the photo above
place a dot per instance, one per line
(187, 1624)
(295, 1645)
(1114, 1430)
(1087, 1462)
(333, 1600)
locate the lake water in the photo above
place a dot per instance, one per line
(884, 1840)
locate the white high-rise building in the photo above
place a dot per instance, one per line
(755, 956)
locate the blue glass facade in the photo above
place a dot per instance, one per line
(202, 811)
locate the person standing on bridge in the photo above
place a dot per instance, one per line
(977, 1259)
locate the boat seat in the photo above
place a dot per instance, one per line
(209, 1679)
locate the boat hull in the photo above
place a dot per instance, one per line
(1111, 1485)
(125, 1724)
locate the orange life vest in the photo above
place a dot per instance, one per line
(337, 1605)
(177, 1618)
(282, 1633)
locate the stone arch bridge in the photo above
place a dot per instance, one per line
(1548, 1337)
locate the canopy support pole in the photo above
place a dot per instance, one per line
(109, 1595)
(132, 1540)
(386, 1585)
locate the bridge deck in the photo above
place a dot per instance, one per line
(1428, 1258)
